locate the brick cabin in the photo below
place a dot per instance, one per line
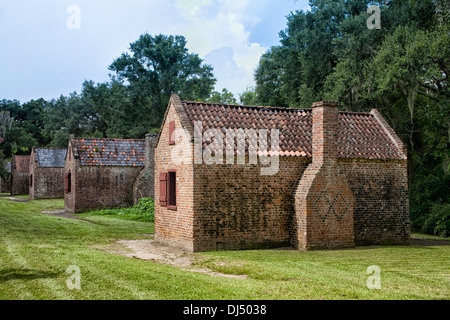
(340, 180)
(46, 173)
(19, 174)
(102, 173)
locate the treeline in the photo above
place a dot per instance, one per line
(327, 53)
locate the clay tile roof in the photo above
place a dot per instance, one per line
(22, 163)
(360, 135)
(50, 158)
(111, 152)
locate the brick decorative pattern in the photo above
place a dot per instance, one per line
(323, 209)
(19, 174)
(325, 199)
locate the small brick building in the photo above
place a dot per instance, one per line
(102, 173)
(321, 178)
(46, 173)
(19, 174)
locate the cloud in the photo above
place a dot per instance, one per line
(219, 32)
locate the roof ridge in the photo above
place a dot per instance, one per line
(246, 106)
(110, 139)
(266, 107)
(356, 112)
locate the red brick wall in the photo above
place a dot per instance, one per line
(238, 208)
(324, 209)
(326, 204)
(19, 183)
(323, 200)
(175, 226)
(48, 183)
(381, 209)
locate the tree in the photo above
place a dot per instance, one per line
(225, 97)
(248, 97)
(157, 67)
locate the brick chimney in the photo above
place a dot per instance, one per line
(323, 199)
(324, 131)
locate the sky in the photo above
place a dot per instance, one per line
(49, 48)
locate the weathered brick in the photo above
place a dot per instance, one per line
(324, 195)
(103, 173)
(46, 173)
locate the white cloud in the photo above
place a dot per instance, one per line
(218, 31)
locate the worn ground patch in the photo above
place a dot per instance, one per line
(149, 249)
(18, 199)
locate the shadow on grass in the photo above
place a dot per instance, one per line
(25, 274)
(416, 241)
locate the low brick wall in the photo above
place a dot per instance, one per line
(380, 189)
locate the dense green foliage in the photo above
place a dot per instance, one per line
(329, 53)
(144, 210)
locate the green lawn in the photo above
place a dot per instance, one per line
(36, 249)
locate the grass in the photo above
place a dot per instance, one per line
(36, 249)
(144, 210)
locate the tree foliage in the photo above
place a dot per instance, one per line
(157, 67)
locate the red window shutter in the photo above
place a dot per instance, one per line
(163, 188)
(171, 132)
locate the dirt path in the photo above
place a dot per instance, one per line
(149, 249)
(18, 199)
(65, 214)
